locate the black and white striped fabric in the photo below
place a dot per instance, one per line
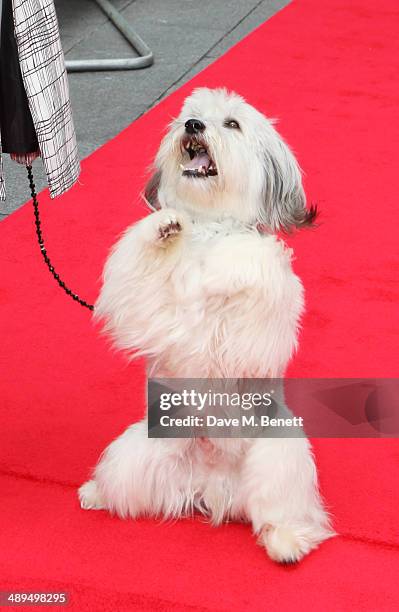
(44, 75)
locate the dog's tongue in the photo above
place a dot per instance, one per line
(199, 162)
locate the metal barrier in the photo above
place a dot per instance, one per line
(145, 59)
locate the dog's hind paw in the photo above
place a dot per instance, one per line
(287, 544)
(89, 496)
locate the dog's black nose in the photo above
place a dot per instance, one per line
(193, 126)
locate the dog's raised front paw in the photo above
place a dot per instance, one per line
(89, 496)
(169, 228)
(163, 227)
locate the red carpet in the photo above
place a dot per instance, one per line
(328, 70)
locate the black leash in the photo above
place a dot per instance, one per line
(61, 283)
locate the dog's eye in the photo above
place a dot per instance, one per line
(231, 123)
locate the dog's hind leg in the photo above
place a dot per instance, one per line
(90, 497)
(279, 486)
(137, 475)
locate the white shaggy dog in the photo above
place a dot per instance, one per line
(204, 289)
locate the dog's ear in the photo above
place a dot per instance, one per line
(151, 191)
(283, 195)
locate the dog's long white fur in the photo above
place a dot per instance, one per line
(202, 293)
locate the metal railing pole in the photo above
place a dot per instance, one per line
(145, 59)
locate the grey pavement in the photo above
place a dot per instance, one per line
(184, 35)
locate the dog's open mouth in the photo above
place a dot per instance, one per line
(200, 164)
